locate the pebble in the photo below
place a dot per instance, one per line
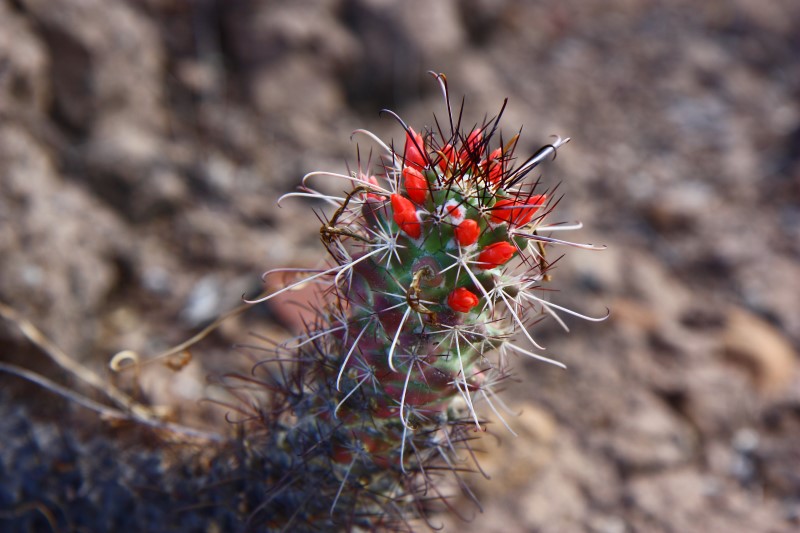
(762, 349)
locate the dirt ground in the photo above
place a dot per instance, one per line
(143, 145)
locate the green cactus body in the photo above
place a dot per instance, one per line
(436, 268)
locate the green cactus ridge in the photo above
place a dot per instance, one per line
(438, 265)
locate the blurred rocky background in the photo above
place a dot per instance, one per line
(143, 145)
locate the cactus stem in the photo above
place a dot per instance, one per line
(438, 262)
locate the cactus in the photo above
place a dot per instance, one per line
(436, 269)
(437, 265)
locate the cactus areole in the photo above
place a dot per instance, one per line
(438, 267)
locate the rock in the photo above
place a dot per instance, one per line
(531, 448)
(761, 349)
(677, 500)
(632, 314)
(106, 59)
(777, 451)
(57, 243)
(23, 66)
(649, 281)
(401, 43)
(106, 65)
(291, 63)
(601, 271)
(679, 209)
(650, 437)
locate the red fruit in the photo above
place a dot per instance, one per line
(416, 184)
(496, 254)
(467, 232)
(413, 153)
(462, 300)
(405, 215)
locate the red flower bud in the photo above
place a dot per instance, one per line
(448, 158)
(516, 213)
(455, 211)
(473, 148)
(496, 254)
(405, 215)
(501, 212)
(474, 142)
(467, 232)
(462, 300)
(494, 166)
(372, 180)
(524, 214)
(401, 204)
(416, 184)
(414, 152)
